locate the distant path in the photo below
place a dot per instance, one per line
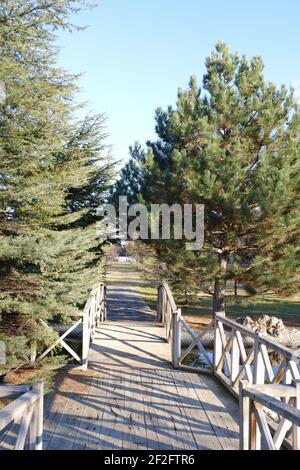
(131, 397)
(131, 337)
(125, 302)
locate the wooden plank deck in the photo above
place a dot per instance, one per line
(131, 397)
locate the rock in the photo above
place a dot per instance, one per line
(246, 321)
(261, 329)
(275, 326)
(272, 326)
(265, 325)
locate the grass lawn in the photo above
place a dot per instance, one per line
(198, 310)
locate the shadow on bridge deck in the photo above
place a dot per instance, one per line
(125, 304)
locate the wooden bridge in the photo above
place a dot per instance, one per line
(131, 397)
(136, 392)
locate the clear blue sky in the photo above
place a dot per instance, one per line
(136, 53)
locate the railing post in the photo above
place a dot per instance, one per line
(30, 440)
(105, 303)
(98, 297)
(255, 436)
(168, 319)
(259, 365)
(38, 387)
(164, 306)
(296, 429)
(93, 317)
(176, 338)
(85, 339)
(244, 409)
(235, 358)
(99, 305)
(258, 378)
(159, 303)
(217, 345)
(102, 303)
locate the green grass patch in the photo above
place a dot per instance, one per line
(201, 305)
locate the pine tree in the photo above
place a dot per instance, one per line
(234, 147)
(52, 169)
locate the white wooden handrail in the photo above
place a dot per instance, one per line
(255, 401)
(93, 314)
(170, 315)
(232, 360)
(25, 412)
(236, 360)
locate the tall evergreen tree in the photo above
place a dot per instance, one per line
(234, 147)
(53, 170)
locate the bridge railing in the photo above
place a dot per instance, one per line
(170, 315)
(238, 354)
(93, 314)
(21, 421)
(256, 402)
(242, 354)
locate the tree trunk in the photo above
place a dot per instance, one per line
(220, 288)
(185, 296)
(235, 288)
(219, 297)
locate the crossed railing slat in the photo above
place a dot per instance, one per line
(93, 314)
(232, 363)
